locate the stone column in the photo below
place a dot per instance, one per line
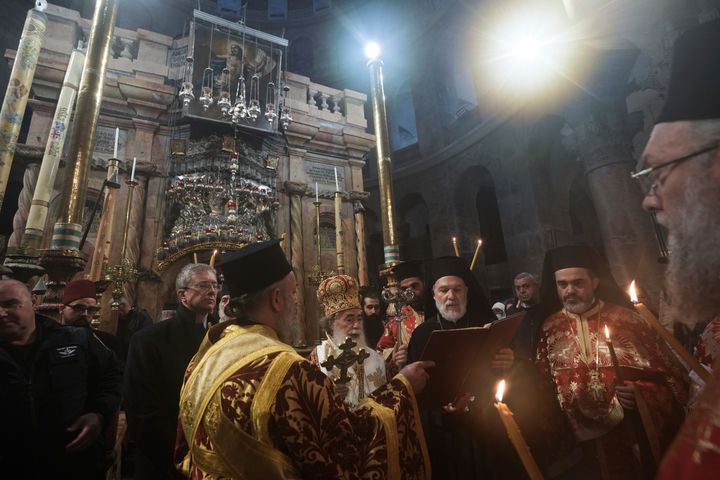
(30, 178)
(296, 191)
(626, 229)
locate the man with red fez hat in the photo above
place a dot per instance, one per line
(252, 408)
(343, 319)
(79, 306)
(574, 356)
(680, 173)
(408, 275)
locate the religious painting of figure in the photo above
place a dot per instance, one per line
(222, 57)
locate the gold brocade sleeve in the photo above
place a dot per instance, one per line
(325, 439)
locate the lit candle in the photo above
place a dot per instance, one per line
(475, 255)
(132, 174)
(613, 357)
(337, 184)
(513, 432)
(679, 350)
(317, 194)
(117, 136)
(212, 258)
(455, 247)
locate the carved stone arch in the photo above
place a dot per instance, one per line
(414, 227)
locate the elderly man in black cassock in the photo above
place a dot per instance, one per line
(154, 372)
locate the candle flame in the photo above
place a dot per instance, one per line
(500, 391)
(607, 333)
(479, 241)
(454, 239)
(633, 292)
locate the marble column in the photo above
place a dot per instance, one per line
(296, 192)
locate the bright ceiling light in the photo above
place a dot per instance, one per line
(372, 50)
(527, 47)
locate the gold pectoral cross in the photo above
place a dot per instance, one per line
(596, 387)
(345, 360)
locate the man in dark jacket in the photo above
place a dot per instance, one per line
(155, 368)
(59, 389)
(130, 321)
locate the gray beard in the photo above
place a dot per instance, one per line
(451, 316)
(693, 276)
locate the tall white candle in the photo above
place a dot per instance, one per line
(337, 184)
(117, 136)
(132, 174)
(317, 194)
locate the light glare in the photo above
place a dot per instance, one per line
(372, 50)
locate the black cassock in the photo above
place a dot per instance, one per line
(474, 444)
(154, 373)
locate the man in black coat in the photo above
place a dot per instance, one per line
(155, 368)
(59, 390)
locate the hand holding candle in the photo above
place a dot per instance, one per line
(679, 350)
(515, 435)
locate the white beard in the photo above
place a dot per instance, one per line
(451, 315)
(357, 334)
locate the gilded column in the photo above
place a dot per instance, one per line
(296, 191)
(382, 145)
(68, 230)
(35, 228)
(64, 259)
(18, 90)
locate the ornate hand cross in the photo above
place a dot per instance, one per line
(345, 360)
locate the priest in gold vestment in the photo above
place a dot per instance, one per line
(251, 407)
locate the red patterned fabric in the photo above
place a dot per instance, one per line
(643, 358)
(708, 348)
(695, 453)
(410, 320)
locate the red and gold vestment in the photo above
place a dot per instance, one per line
(573, 353)
(695, 453)
(410, 319)
(252, 408)
(708, 347)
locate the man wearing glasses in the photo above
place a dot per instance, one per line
(79, 307)
(680, 173)
(155, 367)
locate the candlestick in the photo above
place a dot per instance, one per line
(647, 315)
(475, 255)
(337, 184)
(117, 136)
(212, 258)
(339, 250)
(613, 357)
(455, 247)
(317, 194)
(515, 436)
(132, 174)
